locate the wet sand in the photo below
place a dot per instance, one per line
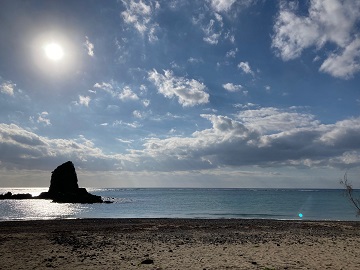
(179, 244)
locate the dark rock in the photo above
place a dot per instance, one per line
(64, 179)
(5, 196)
(20, 196)
(64, 187)
(147, 261)
(79, 196)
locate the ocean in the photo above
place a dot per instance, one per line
(282, 204)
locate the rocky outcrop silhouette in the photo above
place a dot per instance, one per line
(63, 188)
(64, 179)
(20, 196)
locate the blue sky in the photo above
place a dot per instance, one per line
(212, 93)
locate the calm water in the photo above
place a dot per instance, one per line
(188, 203)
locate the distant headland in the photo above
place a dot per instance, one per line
(63, 188)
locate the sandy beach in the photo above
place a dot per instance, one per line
(179, 244)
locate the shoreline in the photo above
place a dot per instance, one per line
(179, 244)
(120, 219)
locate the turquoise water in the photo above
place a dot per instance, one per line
(189, 203)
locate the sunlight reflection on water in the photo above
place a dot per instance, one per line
(36, 209)
(39, 209)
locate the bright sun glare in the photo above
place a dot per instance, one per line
(54, 51)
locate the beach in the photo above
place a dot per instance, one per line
(179, 244)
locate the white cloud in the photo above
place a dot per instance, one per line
(125, 141)
(116, 92)
(343, 132)
(219, 19)
(214, 28)
(347, 159)
(211, 35)
(42, 119)
(222, 5)
(139, 14)
(316, 58)
(128, 94)
(143, 88)
(346, 64)
(84, 100)
(146, 102)
(245, 67)
(112, 108)
(232, 87)
(7, 88)
(293, 34)
(230, 36)
(232, 53)
(228, 5)
(246, 106)
(332, 22)
(269, 119)
(152, 33)
(127, 124)
(190, 92)
(174, 65)
(110, 88)
(193, 60)
(89, 46)
(212, 39)
(105, 86)
(138, 114)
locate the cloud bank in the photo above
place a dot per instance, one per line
(263, 137)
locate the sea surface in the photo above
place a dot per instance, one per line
(283, 204)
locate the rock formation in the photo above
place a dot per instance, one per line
(21, 196)
(64, 179)
(64, 187)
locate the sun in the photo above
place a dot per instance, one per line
(54, 51)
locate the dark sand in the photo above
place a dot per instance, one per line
(179, 244)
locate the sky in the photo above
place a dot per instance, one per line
(176, 93)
